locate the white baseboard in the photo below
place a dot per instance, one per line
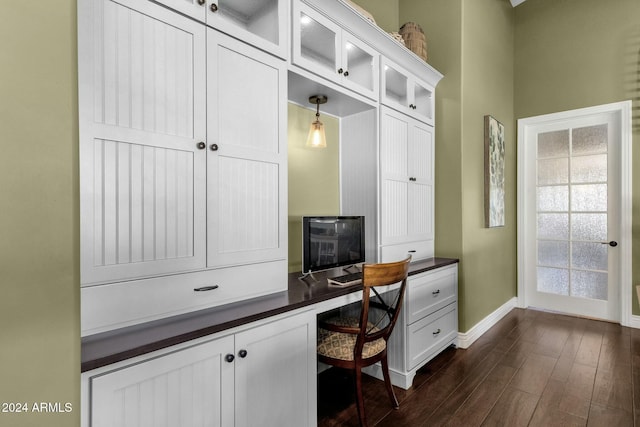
(465, 339)
(634, 322)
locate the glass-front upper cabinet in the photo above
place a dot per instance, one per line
(261, 23)
(404, 92)
(322, 47)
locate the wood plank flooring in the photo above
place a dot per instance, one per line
(531, 369)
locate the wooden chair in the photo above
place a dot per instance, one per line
(353, 343)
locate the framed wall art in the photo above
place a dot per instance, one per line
(494, 175)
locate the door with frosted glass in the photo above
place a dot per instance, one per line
(572, 215)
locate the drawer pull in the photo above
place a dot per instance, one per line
(206, 288)
(436, 292)
(435, 333)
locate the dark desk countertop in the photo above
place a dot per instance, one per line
(113, 346)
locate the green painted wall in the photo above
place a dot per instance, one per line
(579, 53)
(385, 12)
(471, 42)
(314, 176)
(39, 242)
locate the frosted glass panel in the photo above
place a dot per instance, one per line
(589, 197)
(589, 284)
(553, 280)
(553, 253)
(553, 226)
(553, 171)
(553, 144)
(590, 140)
(317, 42)
(553, 198)
(592, 256)
(589, 169)
(589, 226)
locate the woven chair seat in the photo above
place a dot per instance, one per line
(339, 345)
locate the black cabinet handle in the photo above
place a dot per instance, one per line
(201, 145)
(242, 353)
(340, 70)
(229, 358)
(437, 332)
(214, 7)
(436, 292)
(206, 288)
(214, 147)
(201, 2)
(346, 73)
(612, 243)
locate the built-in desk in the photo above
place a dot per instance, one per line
(114, 346)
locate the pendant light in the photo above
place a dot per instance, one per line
(316, 136)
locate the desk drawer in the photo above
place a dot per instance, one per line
(418, 250)
(430, 291)
(431, 334)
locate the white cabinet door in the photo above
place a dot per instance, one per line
(406, 153)
(421, 180)
(406, 93)
(276, 378)
(142, 118)
(246, 153)
(189, 388)
(322, 47)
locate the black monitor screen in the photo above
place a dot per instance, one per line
(332, 241)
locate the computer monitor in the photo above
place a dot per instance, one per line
(332, 241)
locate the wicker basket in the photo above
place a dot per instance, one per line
(414, 39)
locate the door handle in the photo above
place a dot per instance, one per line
(612, 243)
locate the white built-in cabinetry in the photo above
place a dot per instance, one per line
(260, 23)
(323, 47)
(261, 374)
(183, 164)
(406, 92)
(183, 194)
(406, 186)
(428, 324)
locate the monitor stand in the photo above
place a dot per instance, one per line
(306, 276)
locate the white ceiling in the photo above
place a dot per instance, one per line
(514, 3)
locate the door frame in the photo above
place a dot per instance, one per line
(623, 110)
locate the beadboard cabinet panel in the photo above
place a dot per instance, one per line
(407, 180)
(190, 388)
(142, 176)
(246, 160)
(261, 374)
(276, 373)
(359, 174)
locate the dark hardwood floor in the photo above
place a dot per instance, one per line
(531, 369)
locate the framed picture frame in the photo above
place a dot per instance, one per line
(494, 172)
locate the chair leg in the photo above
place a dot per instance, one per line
(387, 382)
(359, 398)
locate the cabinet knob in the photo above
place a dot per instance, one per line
(340, 70)
(229, 358)
(214, 147)
(214, 7)
(242, 353)
(202, 2)
(201, 145)
(412, 178)
(437, 332)
(436, 292)
(346, 73)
